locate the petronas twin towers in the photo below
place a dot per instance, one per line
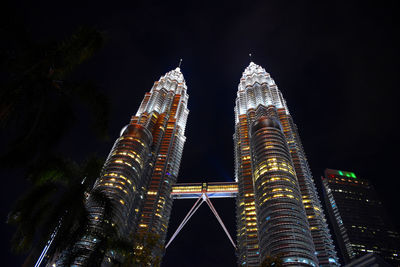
(278, 210)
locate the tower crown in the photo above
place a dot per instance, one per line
(171, 81)
(252, 69)
(256, 87)
(254, 74)
(174, 75)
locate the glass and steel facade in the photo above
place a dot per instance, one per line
(278, 209)
(165, 108)
(358, 218)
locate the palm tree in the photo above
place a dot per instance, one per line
(38, 95)
(136, 251)
(38, 98)
(142, 253)
(56, 199)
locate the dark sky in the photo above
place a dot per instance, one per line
(336, 64)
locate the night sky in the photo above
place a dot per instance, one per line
(336, 64)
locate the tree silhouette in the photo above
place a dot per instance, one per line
(143, 247)
(38, 95)
(39, 101)
(56, 199)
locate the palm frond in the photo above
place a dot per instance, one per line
(76, 49)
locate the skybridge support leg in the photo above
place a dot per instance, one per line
(202, 198)
(186, 219)
(208, 201)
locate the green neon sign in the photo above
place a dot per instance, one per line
(347, 174)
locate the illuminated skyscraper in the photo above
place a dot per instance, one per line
(165, 109)
(141, 168)
(278, 209)
(358, 218)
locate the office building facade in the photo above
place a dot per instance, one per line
(358, 218)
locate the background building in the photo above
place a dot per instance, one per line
(358, 218)
(370, 259)
(278, 209)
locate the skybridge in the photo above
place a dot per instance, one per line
(212, 190)
(203, 192)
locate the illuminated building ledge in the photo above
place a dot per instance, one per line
(212, 190)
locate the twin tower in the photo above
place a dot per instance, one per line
(278, 209)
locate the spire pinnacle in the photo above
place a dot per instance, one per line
(180, 62)
(174, 75)
(251, 58)
(252, 69)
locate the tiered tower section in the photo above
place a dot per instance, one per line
(278, 210)
(164, 112)
(324, 247)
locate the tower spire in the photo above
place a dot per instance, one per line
(180, 62)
